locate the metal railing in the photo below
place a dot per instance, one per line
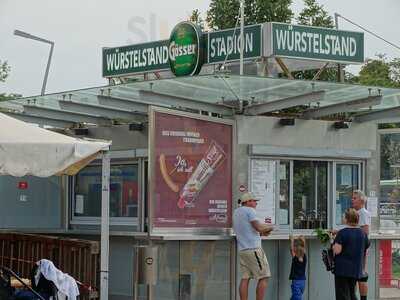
(78, 258)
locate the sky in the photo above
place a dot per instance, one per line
(80, 28)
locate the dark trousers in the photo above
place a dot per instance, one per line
(345, 288)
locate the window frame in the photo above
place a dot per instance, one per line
(360, 183)
(114, 221)
(331, 188)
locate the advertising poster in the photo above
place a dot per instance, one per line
(263, 186)
(192, 172)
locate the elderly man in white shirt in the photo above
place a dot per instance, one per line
(358, 202)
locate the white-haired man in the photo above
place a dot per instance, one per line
(253, 262)
(358, 202)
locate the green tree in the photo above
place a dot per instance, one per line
(269, 11)
(4, 70)
(224, 13)
(380, 72)
(196, 18)
(314, 14)
(383, 73)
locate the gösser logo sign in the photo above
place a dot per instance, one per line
(186, 49)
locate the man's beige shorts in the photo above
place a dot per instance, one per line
(254, 264)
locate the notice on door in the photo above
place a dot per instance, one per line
(263, 186)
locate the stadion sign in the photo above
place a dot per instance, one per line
(188, 48)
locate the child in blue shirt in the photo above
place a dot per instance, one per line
(298, 268)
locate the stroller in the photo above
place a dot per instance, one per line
(42, 291)
(47, 283)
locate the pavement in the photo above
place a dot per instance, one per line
(389, 294)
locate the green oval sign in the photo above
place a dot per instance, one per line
(186, 49)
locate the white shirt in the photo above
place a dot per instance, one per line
(247, 237)
(364, 217)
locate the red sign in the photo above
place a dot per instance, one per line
(385, 263)
(22, 185)
(193, 172)
(242, 188)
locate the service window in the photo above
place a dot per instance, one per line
(347, 180)
(124, 191)
(310, 194)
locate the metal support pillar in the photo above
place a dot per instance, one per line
(105, 222)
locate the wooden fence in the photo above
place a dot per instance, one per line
(78, 258)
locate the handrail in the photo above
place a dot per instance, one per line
(12, 273)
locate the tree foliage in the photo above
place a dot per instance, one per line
(380, 72)
(4, 70)
(314, 14)
(224, 13)
(196, 18)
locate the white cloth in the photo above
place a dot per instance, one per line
(65, 284)
(364, 217)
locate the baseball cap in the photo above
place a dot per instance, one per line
(247, 197)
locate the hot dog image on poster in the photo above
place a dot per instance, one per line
(192, 172)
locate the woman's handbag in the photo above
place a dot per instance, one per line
(328, 259)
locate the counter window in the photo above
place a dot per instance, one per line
(304, 194)
(310, 194)
(123, 191)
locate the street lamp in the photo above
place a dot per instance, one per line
(32, 37)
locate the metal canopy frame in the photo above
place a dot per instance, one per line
(218, 95)
(41, 120)
(60, 114)
(100, 110)
(347, 106)
(279, 104)
(387, 115)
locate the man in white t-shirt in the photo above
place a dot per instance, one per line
(253, 262)
(358, 202)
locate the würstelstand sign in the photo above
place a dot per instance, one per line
(188, 48)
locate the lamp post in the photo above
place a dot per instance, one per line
(241, 36)
(33, 37)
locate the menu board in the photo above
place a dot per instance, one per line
(192, 172)
(263, 186)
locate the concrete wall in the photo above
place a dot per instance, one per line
(122, 138)
(40, 205)
(311, 134)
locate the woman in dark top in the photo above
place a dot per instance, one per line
(298, 268)
(349, 248)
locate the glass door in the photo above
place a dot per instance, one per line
(347, 179)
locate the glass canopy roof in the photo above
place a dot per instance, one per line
(214, 89)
